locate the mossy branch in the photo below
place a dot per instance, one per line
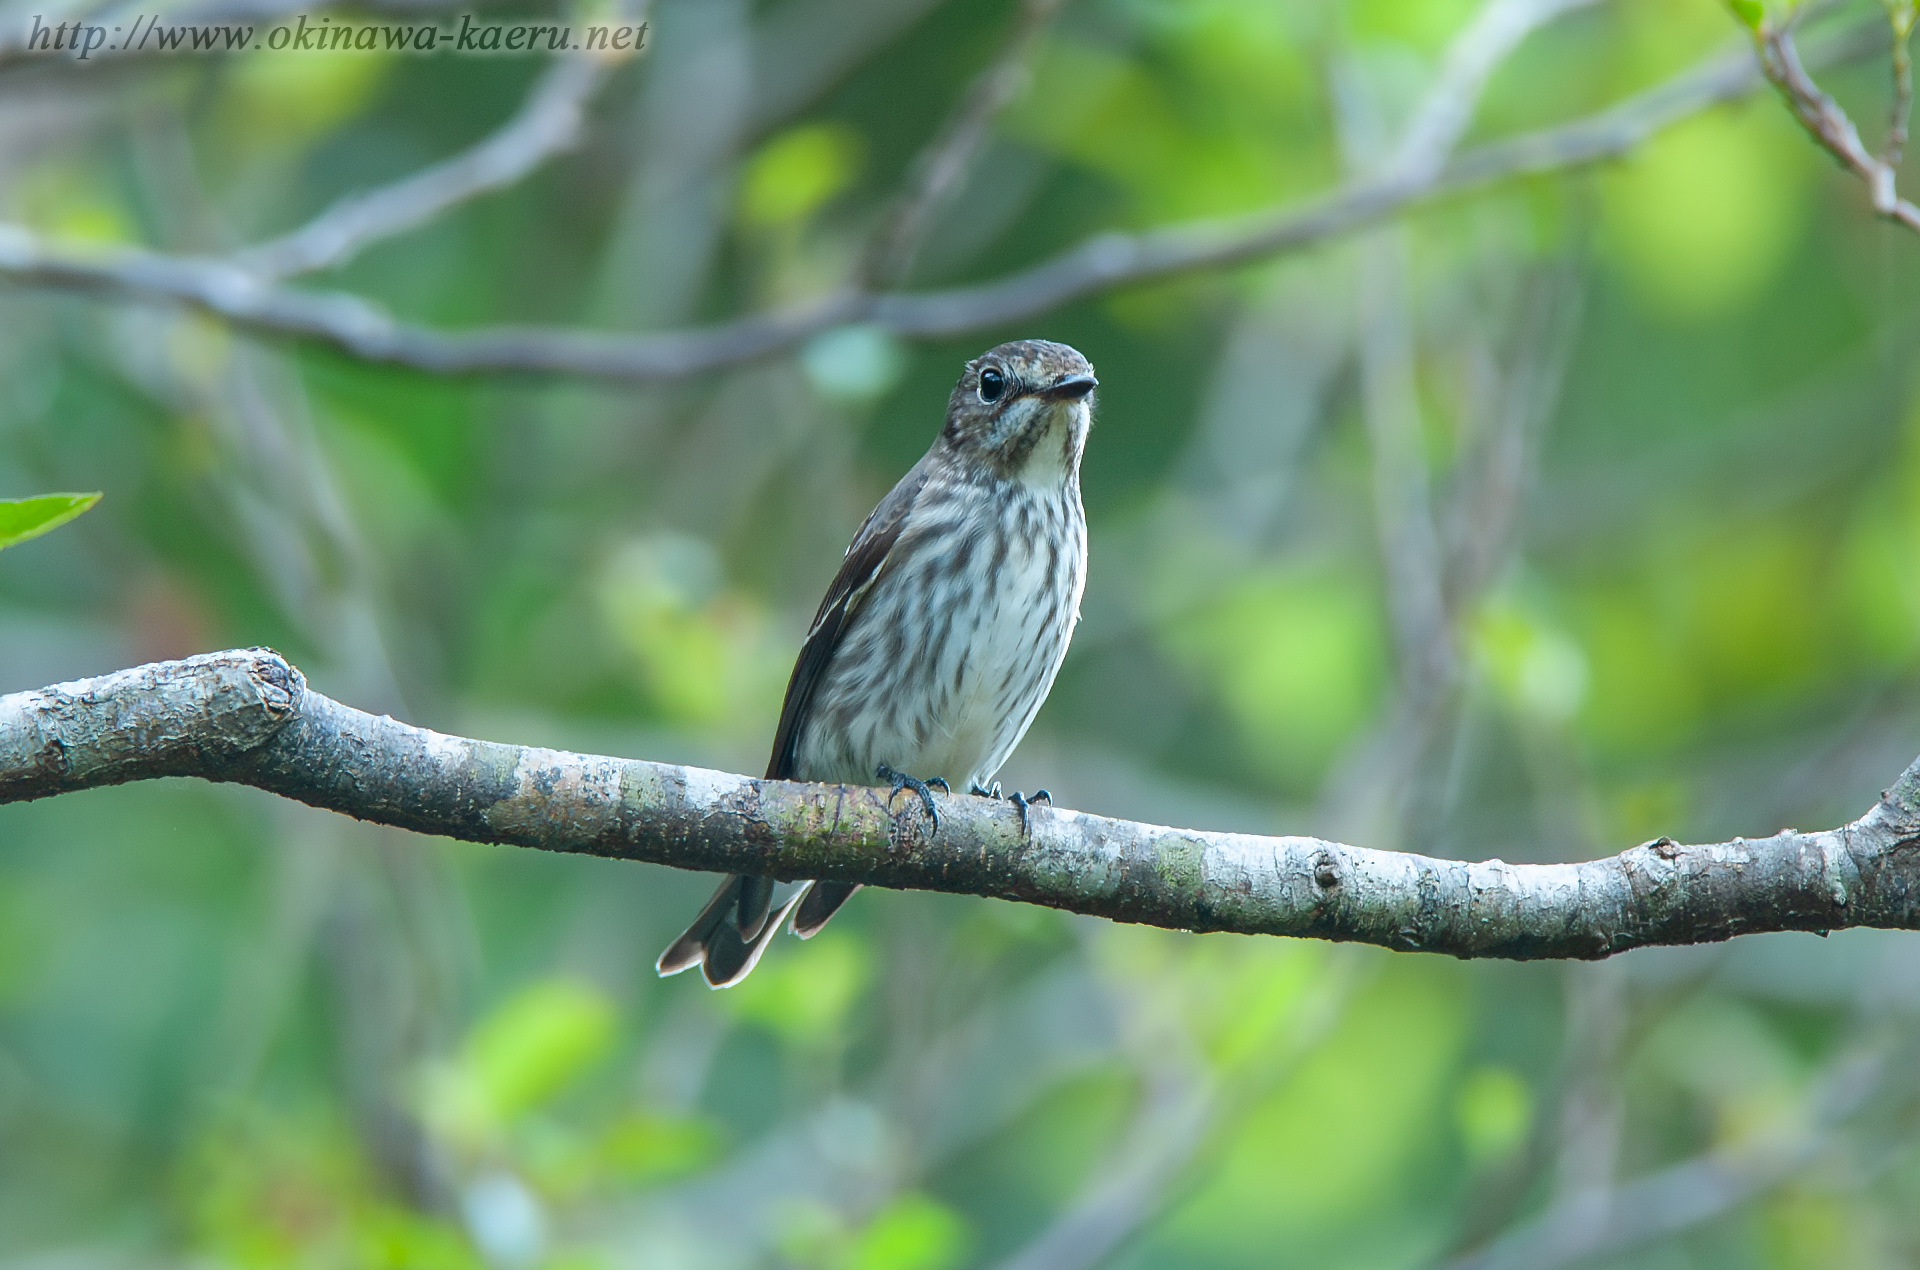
(247, 716)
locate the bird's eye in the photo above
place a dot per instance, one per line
(992, 384)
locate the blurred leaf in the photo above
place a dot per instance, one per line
(1426, 26)
(24, 518)
(644, 1148)
(1702, 218)
(1725, 1054)
(1643, 810)
(1536, 667)
(1296, 659)
(285, 98)
(525, 1051)
(702, 650)
(795, 173)
(395, 1239)
(70, 201)
(807, 1233)
(1338, 1138)
(914, 1232)
(806, 995)
(537, 1041)
(1121, 119)
(1804, 1229)
(1494, 1112)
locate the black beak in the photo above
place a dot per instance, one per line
(1070, 387)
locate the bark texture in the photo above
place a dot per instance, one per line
(247, 716)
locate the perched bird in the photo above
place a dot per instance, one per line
(940, 636)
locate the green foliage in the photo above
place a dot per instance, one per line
(795, 173)
(24, 518)
(1704, 217)
(515, 1059)
(805, 998)
(913, 1232)
(1494, 1110)
(1295, 659)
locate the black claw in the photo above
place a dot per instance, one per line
(902, 781)
(1018, 799)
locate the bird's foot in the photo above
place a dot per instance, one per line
(1018, 799)
(902, 781)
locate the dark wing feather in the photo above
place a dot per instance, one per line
(865, 558)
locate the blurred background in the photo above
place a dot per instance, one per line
(1533, 523)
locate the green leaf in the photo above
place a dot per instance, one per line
(24, 518)
(525, 1051)
(914, 1232)
(1751, 12)
(1494, 1111)
(535, 1043)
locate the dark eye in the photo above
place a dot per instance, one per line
(992, 384)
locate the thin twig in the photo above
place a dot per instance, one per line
(1609, 1221)
(1374, 791)
(1178, 1143)
(1900, 16)
(362, 328)
(546, 125)
(1826, 122)
(938, 170)
(1469, 62)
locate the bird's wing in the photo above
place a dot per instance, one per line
(866, 557)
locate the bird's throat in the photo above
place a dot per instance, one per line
(1055, 453)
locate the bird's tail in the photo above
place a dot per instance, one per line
(821, 901)
(731, 932)
(741, 919)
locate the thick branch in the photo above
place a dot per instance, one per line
(364, 329)
(247, 716)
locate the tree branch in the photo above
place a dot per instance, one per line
(1609, 1221)
(939, 169)
(1829, 125)
(363, 329)
(247, 716)
(547, 124)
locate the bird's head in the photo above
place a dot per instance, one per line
(1022, 410)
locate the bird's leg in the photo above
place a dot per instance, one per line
(903, 781)
(1019, 800)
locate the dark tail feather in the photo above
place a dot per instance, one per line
(688, 951)
(822, 900)
(756, 900)
(724, 949)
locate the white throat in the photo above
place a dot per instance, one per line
(1050, 461)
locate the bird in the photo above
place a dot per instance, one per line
(940, 636)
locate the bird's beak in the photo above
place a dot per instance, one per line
(1071, 387)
